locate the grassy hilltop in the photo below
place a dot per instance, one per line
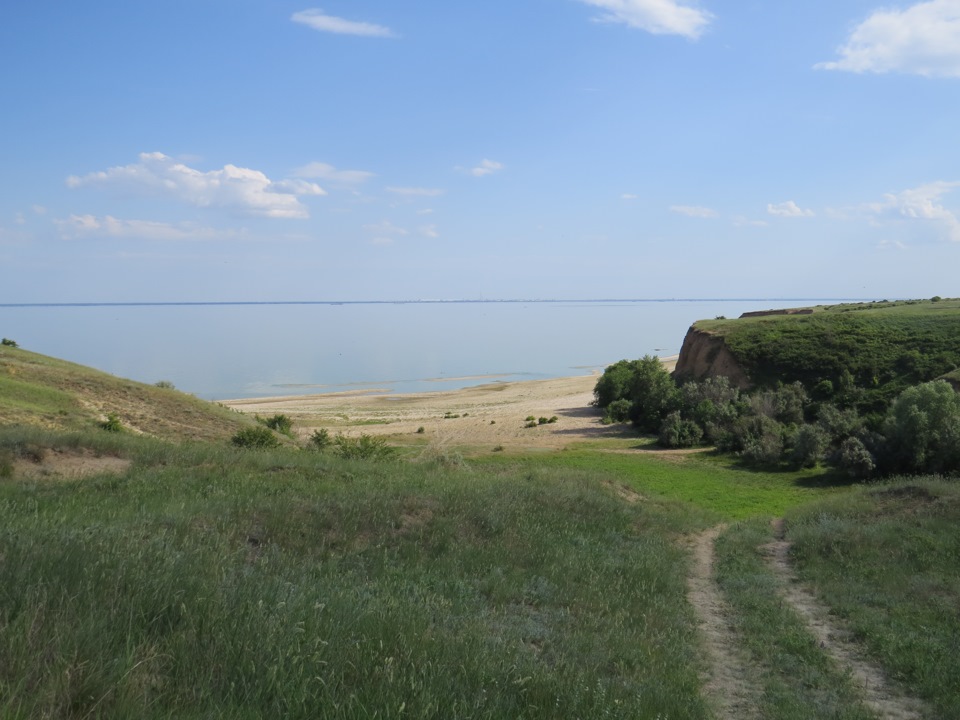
(866, 353)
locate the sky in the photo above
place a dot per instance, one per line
(270, 150)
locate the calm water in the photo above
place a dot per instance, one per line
(233, 351)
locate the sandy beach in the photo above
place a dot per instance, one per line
(492, 414)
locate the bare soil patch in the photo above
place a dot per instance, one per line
(68, 465)
(880, 694)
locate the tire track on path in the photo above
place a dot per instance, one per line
(880, 694)
(726, 682)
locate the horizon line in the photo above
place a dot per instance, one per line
(422, 301)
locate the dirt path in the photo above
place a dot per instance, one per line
(880, 695)
(727, 681)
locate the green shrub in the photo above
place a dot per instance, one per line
(280, 423)
(421, 430)
(9, 343)
(255, 438)
(165, 385)
(320, 439)
(675, 432)
(809, 446)
(365, 447)
(618, 411)
(112, 423)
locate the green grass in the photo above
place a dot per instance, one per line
(797, 679)
(212, 582)
(887, 560)
(716, 485)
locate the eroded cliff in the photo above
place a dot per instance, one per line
(706, 355)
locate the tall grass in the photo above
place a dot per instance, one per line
(887, 560)
(209, 582)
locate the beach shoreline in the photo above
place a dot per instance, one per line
(486, 415)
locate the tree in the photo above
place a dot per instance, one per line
(922, 429)
(653, 393)
(614, 384)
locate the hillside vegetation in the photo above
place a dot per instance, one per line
(44, 391)
(861, 355)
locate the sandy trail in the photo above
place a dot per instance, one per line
(880, 695)
(727, 682)
(485, 415)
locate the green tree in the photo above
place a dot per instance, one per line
(922, 429)
(614, 384)
(653, 393)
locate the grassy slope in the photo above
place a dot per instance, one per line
(887, 560)
(40, 390)
(209, 582)
(885, 346)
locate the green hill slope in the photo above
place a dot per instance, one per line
(44, 391)
(861, 354)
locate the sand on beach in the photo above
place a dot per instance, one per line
(493, 414)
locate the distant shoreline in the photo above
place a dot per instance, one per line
(218, 303)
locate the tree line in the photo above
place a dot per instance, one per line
(918, 433)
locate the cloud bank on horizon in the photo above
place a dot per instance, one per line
(592, 148)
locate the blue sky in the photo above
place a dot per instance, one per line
(272, 150)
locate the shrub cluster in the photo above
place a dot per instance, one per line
(918, 433)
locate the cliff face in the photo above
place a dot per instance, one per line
(704, 355)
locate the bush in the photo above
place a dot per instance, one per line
(809, 446)
(365, 447)
(675, 432)
(112, 423)
(855, 459)
(8, 343)
(255, 438)
(165, 385)
(618, 411)
(320, 439)
(280, 423)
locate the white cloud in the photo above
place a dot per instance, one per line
(416, 191)
(694, 211)
(87, 226)
(328, 173)
(924, 39)
(425, 211)
(921, 203)
(486, 167)
(232, 187)
(788, 209)
(628, 196)
(318, 20)
(660, 17)
(429, 231)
